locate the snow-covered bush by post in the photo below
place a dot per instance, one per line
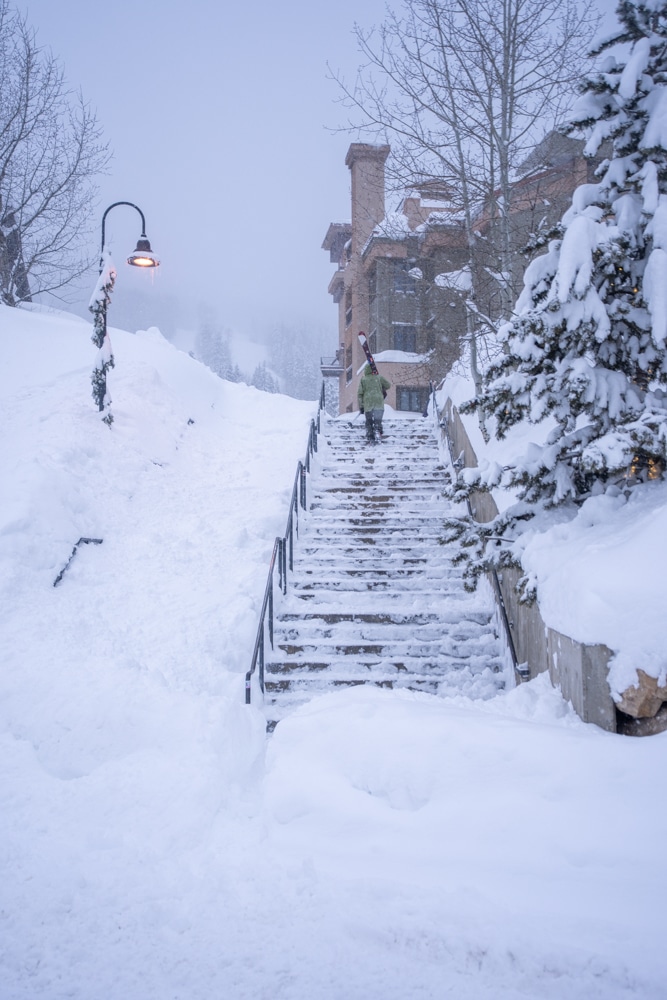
(586, 350)
(104, 361)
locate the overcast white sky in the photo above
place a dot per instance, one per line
(217, 115)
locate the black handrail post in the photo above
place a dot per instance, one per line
(302, 489)
(271, 612)
(295, 519)
(261, 659)
(291, 545)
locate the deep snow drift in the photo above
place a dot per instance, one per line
(155, 846)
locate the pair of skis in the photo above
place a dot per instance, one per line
(367, 351)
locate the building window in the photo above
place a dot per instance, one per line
(413, 399)
(405, 337)
(373, 341)
(404, 283)
(348, 309)
(348, 364)
(372, 289)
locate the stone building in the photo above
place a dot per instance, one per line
(541, 193)
(385, 283)
(403, 277)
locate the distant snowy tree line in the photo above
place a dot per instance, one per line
(293, 359)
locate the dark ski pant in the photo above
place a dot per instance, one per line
(373, 424)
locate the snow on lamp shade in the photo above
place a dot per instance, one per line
(143, 256)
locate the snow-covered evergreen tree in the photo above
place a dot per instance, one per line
(586, 354)
(212, 349)
(263, 379)
(295, 357)
(235, 374)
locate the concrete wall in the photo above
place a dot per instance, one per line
(578, 670)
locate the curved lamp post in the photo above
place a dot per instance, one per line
(142, 256)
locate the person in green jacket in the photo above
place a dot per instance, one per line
(370, 395)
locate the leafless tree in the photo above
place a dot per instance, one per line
(462, 90)
(50, 152)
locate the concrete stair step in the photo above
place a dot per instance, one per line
(378, 493)
(354, 485)
(321, 628)
(358, 433)
(441, 648)
(332, 556)
(360, 664)
(405, 600)
(422, 528)
(380, 463)
(342, 548)
(448, 586)
(354, 476)
(339, 571)
(334, 511)
(304, 685)
(418, 640)
(363, 619)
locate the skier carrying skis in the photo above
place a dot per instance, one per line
(370, 395)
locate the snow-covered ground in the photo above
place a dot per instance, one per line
(155, 846)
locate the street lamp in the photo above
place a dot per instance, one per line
(143, 256)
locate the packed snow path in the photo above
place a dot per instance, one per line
(375, 598)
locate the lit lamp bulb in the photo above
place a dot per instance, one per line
(143, 256)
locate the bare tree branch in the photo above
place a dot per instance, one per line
(50, 153)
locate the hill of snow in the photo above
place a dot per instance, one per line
(155, 846)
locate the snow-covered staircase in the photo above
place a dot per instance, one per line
(374, 598)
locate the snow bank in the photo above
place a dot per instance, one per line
(487, 815)
(136, 658)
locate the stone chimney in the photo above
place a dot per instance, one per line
(366, 163)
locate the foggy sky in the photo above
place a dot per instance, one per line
(218, 116)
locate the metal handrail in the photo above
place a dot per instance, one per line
(283, 555)
(443, 425)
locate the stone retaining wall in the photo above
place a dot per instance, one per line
(578, 670)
